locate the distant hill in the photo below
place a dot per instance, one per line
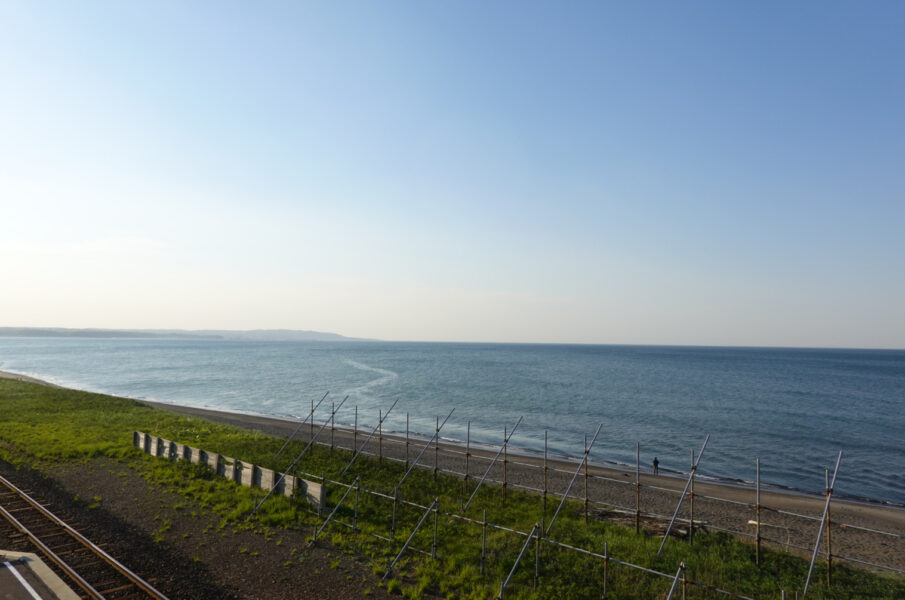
(272, 335)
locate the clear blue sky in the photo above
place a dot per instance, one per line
(607, 172)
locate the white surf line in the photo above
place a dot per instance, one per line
(21, 579)
(386, 376)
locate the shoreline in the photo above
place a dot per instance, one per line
(788, 519)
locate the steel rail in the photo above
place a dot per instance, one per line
(140, 583)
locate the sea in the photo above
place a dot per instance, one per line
(794, 409)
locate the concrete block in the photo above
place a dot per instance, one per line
(228, 467)
(315, 493)
(267, 478)
(152, 446)
(248, 474)
(180, 451)
(194, 454)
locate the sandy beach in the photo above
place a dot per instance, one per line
(862, 533)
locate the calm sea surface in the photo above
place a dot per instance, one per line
(794, 408)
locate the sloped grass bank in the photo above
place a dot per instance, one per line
(44, 426)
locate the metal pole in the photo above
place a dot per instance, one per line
(518, 560)
(318, 531)
(490, 466)
(682, 498)
(332, 424)
(357, 494)
(437, 447)
(355, 430)
(395, 506)
(587, 450)
(305, 420)
(368, 439)
(436, 526)
(606, 566)
(691, 504)
(425, 447)
(505, 456)
(829, 496)
(545, 478)
(409, 540)
(292, 465)
(829, 537)
(467, 449)
(406, 440)
(380, 436)
(637, 487)
(585, 479)
(483, 541)
(311, 426)
(675, 581)
(757, 511)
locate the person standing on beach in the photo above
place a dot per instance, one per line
(656, 466)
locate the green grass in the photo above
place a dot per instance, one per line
(43, 426)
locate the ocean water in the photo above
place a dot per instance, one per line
(793, 408)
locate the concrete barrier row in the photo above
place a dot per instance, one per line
(243, 473)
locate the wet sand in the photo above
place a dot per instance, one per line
(787, 519)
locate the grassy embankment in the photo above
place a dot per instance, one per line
(41, 426)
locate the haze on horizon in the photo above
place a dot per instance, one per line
(642, 173)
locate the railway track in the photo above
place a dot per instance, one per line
(89, 569)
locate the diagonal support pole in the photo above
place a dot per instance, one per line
(297, 458)
(534, 532)
(370, 435)
(826, 508)
(675, 581)
(493, 462)
(333, 512)
(694, 468)
(426, 446)
(297, 429)
(435, 503)
(587, 451)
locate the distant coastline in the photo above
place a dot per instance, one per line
(263, 335)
